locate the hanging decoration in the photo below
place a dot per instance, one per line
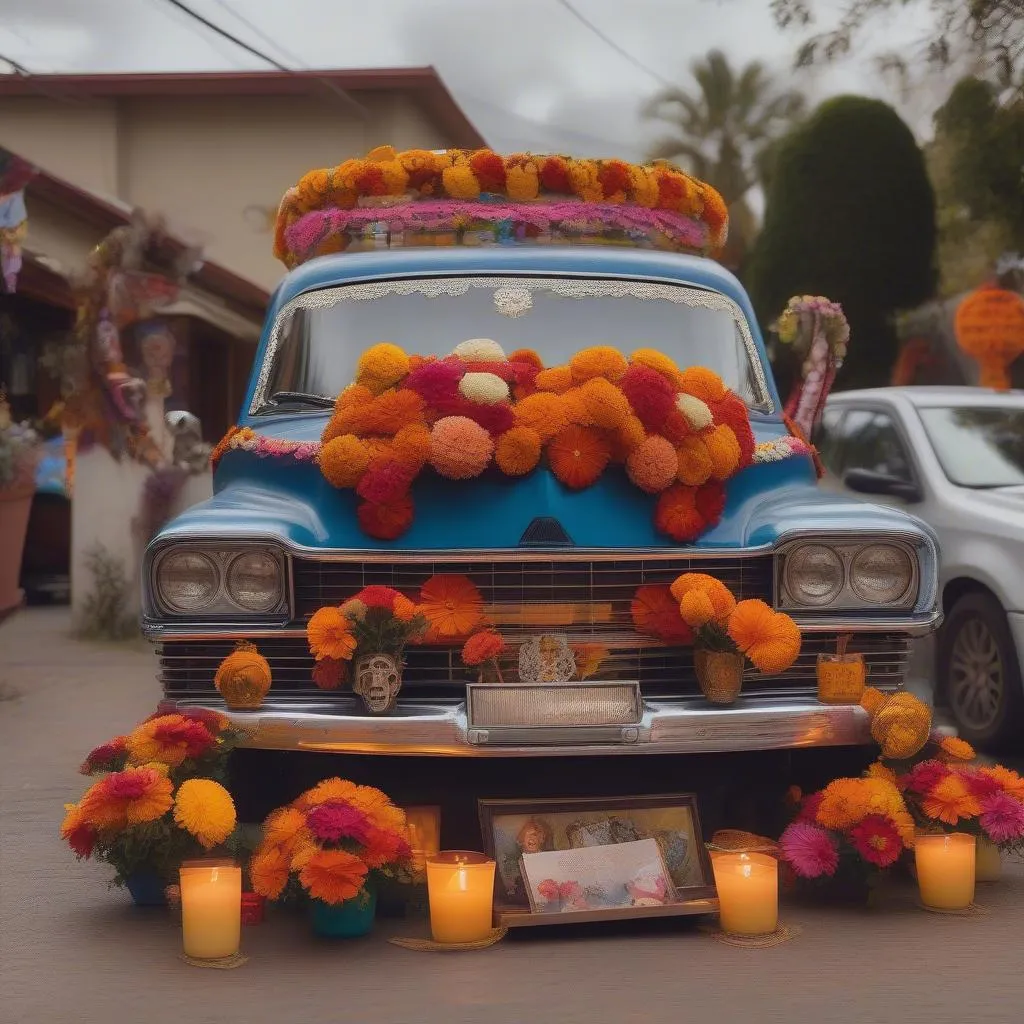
(15, 174)
(819, 334)
(989, 327)
(478, 197)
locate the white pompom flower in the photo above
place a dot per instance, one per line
(697, 414)
(480, 350)
(485, 388)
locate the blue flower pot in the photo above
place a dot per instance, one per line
(147, 890)
(349, 920)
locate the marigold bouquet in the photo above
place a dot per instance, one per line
(158, 801)
(331, 843)
(770, 640)
(377, 620)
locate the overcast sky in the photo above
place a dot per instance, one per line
(528, 73)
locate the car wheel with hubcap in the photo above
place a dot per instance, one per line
(980, 673)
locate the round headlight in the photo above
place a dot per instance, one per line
(881, 574)
(814, 575)
(188, 581)
(254, 581)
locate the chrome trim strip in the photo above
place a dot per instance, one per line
(668, 727)
(160, 631)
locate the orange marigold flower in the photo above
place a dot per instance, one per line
(460, 182)
(327, 791)
(329, 635)
(381, 366)
(695, 464)
(843, 803)
(134, 796)
(557, 379)
(606, 405)
(283, 827)
(578, 455)
(205, 810)
(677, 515)
(589, 659)
(716, 214)
(956, 748)
(656, 612)
(724, 450)
(518, 451)
(269, 870)
(630, 433)
(108, 757)
(522, 182)
(404, 609)
(877, 770)
(702, 383)
(489, 169)
(527, 355)
(243, 678)
(657, 361)
(901, 726)
(872, 700)
(643, 185)
(949, 800)
(599, 361)
(333, 876)
(481, 647)
(543, 413)
(696, 609)
(653, 464)
(452, 605)
(585, 181)
(168, 739)
(377, 806)
(460, 448)
(1011, 783)
(343, 460)
(388, 521)
(720, 598)
(77, 832)
(770, 639)
(387, 413)
(411, 445)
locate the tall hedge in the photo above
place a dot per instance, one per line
(850, 214)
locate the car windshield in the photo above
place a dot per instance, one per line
(978, 446)
(318, 338)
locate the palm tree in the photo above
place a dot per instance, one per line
(726, 129)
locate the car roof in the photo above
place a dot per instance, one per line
(930, 397)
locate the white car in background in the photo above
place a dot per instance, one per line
(954, 457)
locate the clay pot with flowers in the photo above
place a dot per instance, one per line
(727, 633)
(20, 449)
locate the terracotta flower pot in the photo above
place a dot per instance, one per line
(720, 674)
(15, 507)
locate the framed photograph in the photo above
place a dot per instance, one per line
(597, 878)
(513, 829)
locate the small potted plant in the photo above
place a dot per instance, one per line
(157, 802)
(331, 847)
(371, 630)
(20, 449)
(482, 651)
(727, 632)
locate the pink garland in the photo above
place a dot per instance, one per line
(681, 231)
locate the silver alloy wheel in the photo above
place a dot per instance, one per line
(976, 684)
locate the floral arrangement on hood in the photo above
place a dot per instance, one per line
(330, 843)
(943, 786)
(157, 800)
(701, 610)
(377, 620)
(20, 450)
(678, 434)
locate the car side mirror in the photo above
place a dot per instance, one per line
(867, 481)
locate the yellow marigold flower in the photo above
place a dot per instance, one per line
(872, 700)
(695, 463)
(718, 595)
(905, 826)
(460, 182)
(381, 366)
(644, 187)
(956, 748)
(877, 770)
(724, 450)
(522, 182)
(882, 797)
(901, 726)
(204, 809)
(585, 180)
(696, 609)
(843, 804)
(343, 460)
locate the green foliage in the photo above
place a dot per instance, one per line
(104, 615)
(380, 632)
(850, 215)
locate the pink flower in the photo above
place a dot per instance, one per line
(981, 786)
(809, 807)
(809, 850)
(332, 822)
(923, 777)
(877, 840)
(1002, 818)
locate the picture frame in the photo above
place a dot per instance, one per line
(512, 828)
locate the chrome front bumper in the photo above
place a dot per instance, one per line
(443, 730)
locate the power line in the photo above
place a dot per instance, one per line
(625, 54)
(260, 55)
(260, 34)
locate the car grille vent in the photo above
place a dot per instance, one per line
(544, 532)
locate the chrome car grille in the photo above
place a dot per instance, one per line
(187, 667)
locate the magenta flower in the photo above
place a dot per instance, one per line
(332, 822)
(924, 776)
(1002, 818)
(809, 850)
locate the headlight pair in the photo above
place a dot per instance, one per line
(205, 581)
(861, 575)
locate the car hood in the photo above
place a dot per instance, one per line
(290, 501)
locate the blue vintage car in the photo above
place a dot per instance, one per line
(277, 542)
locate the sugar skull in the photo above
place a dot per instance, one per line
(377, 680)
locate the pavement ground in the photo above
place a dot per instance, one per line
(71, 949)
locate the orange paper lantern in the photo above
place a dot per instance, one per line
(990, 327)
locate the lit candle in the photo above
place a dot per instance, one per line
(424, 825)
(211, 908)
(748, 892)
(945, 869)
(460, 887)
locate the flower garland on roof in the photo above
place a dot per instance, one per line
(679, 433)
(457, 190)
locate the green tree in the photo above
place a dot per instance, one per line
(724, 130)
(850, 214)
